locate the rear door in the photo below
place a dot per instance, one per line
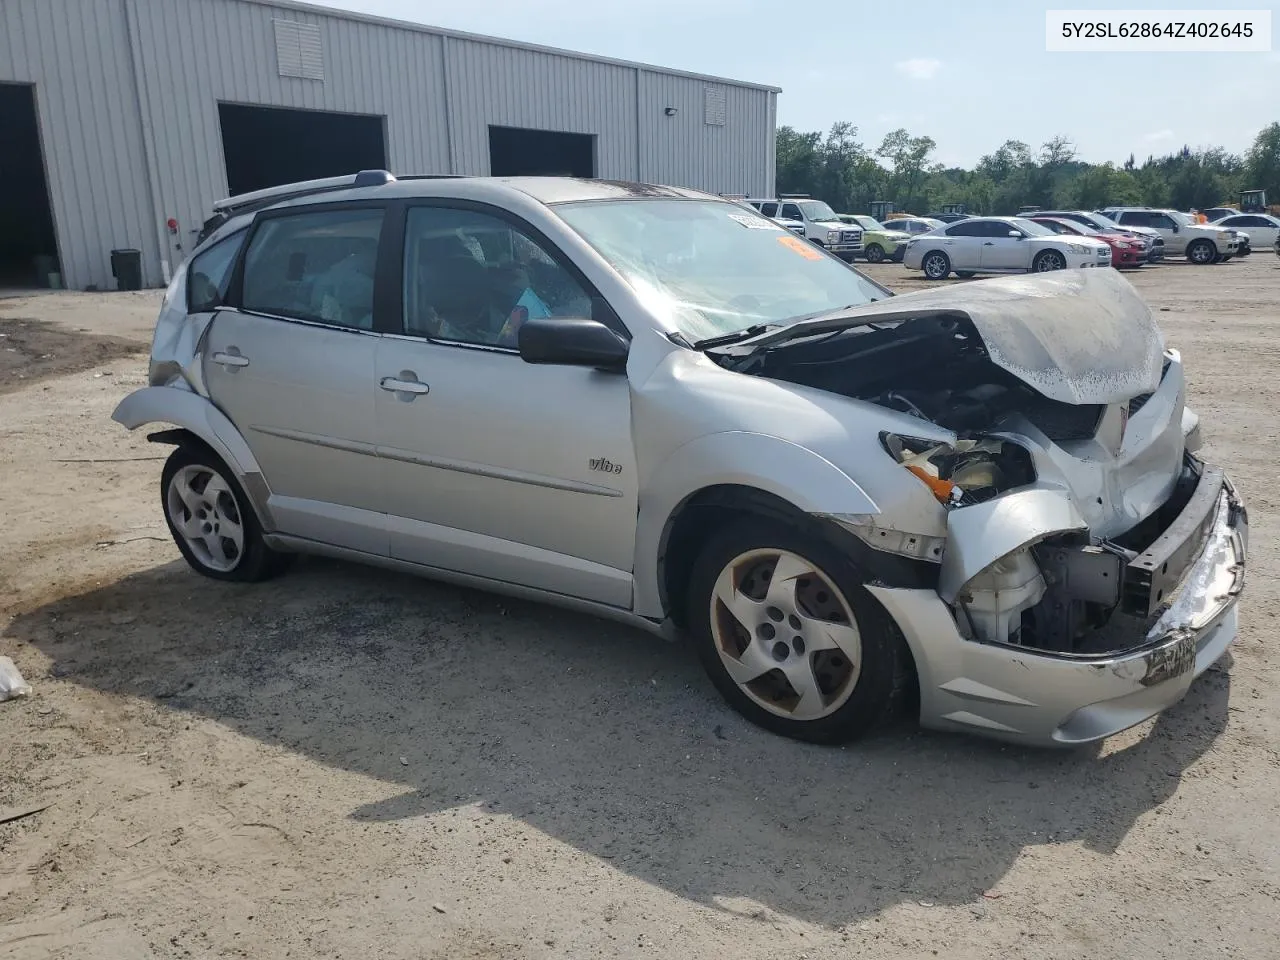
(292, 366)
(495, 467)
(963, 245)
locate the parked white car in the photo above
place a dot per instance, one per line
(816, 222)
(1261, 228)
(1199, 242)
(1001, 245)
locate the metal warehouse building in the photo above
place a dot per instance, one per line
(122, 121)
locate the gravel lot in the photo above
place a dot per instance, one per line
(347, 763)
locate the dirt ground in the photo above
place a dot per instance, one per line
(347, 763)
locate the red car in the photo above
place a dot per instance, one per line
(1126, 249)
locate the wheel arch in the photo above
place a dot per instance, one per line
(924, 257)
(722, 476)
(195, 416)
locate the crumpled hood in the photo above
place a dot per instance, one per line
(1075, 336)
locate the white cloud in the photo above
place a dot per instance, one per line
(1158, 135)
(919, 68)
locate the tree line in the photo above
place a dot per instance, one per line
(841, 170)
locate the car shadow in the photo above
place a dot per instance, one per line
(603, 737)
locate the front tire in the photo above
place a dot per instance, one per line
(936, 265)
(790, 637)
(874, 253)
(211, 520)
(1202, 252)
(1049, 260)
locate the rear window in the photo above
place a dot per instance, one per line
(316, 266)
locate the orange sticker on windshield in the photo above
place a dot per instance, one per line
(802, 247)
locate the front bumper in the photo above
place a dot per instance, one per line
(1033, 697)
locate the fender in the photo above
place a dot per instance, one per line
(780, 467)
(197, 414)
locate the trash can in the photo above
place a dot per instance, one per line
(126, 267)
(45, 266)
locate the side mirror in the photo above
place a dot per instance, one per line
(1176, 228)
(572, 342)
(1015, 234)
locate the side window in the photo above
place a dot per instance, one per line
(1249, 222)
(1134, 218)
(966, 228)
(210, 273)
(995, 228)
(791, 211)
(768, 209)
(315, 266)
(1054, 226)
(474, 278)
(1162, 221)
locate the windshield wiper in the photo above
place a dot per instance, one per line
(725, 338)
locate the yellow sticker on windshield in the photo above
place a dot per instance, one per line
(802, 247)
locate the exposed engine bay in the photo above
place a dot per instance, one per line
(936, 367)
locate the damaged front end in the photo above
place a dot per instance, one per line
(1091, 563)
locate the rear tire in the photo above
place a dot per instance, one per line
(790, 637)
(936, 265)
(874, 253)
(212, 521)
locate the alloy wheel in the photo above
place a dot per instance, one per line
(205, 514)
(785, 634)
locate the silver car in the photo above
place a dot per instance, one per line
(656, 405)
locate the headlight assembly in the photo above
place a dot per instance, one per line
(966, 472)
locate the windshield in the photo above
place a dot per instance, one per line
(868, 223)
(817, 210)
(1031, 228)
(1180, 218)
(709, 268)
(1104, 223)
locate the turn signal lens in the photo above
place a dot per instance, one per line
(941, 488)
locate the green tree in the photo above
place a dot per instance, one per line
(909, 156)
(798, 160)
(1262, 163)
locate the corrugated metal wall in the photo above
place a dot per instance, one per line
(76, 52)
(128, 94)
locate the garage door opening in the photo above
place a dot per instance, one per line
(28, 250)
(267, 146)
(514, 152)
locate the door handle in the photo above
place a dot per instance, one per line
(406, 383)
(989, 243)
(231, 359)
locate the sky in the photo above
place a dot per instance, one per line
(969, 73)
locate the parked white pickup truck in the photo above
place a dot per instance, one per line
(1183, 237)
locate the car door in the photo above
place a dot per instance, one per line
(999, 250)
(495, 467)
(1261, 230)
(792, 211)
(963, 246)
(291, 363)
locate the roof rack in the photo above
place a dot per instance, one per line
(793, 196)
